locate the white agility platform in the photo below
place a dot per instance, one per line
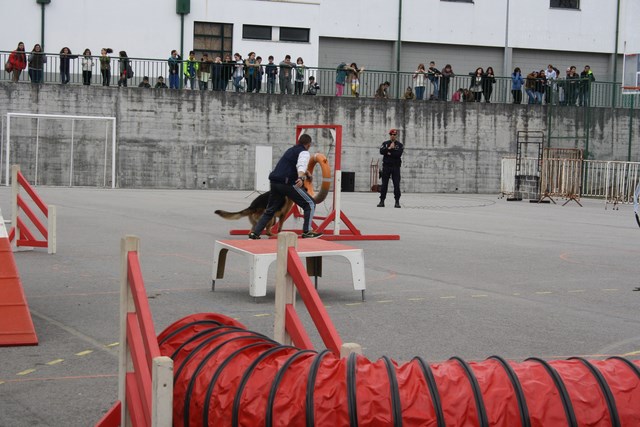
(261, 253)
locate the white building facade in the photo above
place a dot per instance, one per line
(376, 34)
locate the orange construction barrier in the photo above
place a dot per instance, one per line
(20, 234)
(16, 326)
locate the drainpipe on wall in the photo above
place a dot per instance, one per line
(506, 62)
(615, 54)
(183, 7)
(398, 49)
(42, 4)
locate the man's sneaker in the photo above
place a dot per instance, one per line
(254, 236)
(311, 235)
(381, 204)
(397, 205)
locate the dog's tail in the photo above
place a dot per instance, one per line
(235, 215)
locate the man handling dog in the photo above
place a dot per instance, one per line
(287, 180)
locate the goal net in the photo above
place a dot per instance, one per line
(60, 150)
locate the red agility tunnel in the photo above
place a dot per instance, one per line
(225, 375)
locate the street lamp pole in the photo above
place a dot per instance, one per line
(42, 3)
(398, 48)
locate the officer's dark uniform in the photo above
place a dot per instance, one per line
(391, 162)
(282, 180)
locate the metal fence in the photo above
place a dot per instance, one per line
(602, 94)
(612, 181)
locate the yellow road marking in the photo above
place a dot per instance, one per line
(26, 372)
(479, 296)
(609, 289)
(262, 315)
(448, 297)
(517, 293)
(576, 290)
(633, 353)
(55, 362)
(385, 301)
(544, 292)
(353, 303)
(84, 353)
(1, 382)
(416, 299)
(113, 344)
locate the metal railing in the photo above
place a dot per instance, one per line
(602, 94)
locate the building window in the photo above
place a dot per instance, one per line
(565, 4)
(289, 34)
(256, 32)
(212, 38)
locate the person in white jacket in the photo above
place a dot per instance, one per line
(551, 75)
(87, 67)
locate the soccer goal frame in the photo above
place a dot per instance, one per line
(109, 121)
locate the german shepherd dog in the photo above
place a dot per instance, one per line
(255, 211)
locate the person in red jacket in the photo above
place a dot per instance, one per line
(17, 62)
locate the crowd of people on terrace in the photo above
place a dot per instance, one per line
(250, 74)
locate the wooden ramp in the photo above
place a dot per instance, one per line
(16, 326)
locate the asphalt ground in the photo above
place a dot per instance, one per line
(471, 276)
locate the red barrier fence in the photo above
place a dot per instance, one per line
(20, 233)
(145, 386)
(226, 375)
(291, 274)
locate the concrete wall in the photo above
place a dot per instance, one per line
(185, 139)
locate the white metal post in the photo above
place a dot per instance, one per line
(73, 128)
(7, 152)
(113, 154)
(337, 190)
(15, 189)
(35, 181)
(52, 234)
(106, 152)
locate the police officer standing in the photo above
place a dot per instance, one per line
(391, 152)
